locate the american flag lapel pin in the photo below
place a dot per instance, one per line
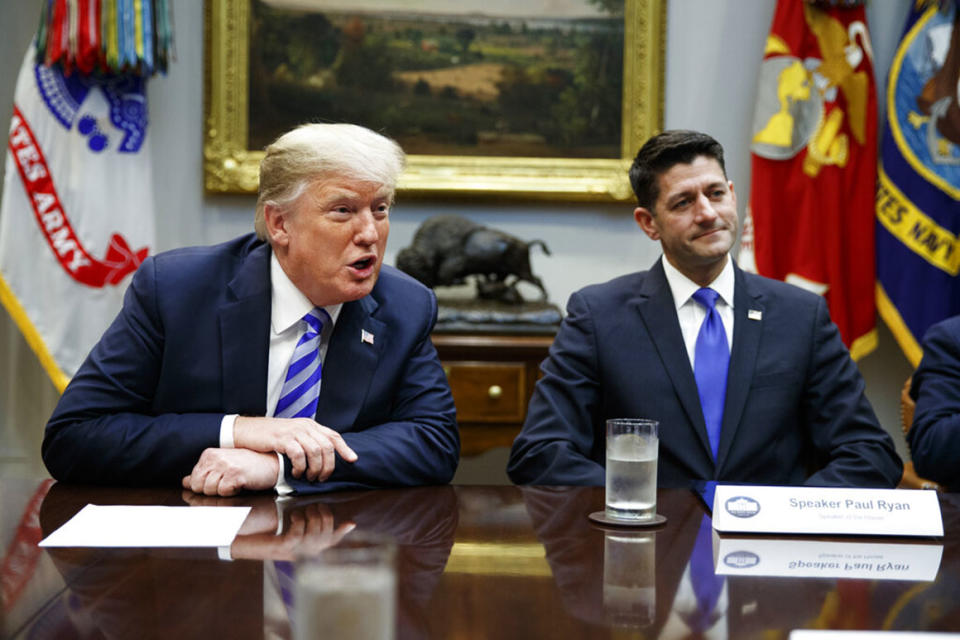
(366, 336)
(755, 314)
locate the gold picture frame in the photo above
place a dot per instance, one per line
(231, 167)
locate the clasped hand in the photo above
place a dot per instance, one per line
(253, 465)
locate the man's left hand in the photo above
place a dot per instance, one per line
(225, 472)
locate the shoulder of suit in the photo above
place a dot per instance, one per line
(204, 265)
(237, 248)
(392, 281)
(948, 330)
(625, 285)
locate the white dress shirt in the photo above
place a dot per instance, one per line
(288, 305)
(691, 313)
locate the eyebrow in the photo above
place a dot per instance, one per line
(686, 192)
(347, 194)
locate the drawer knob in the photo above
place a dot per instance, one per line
(495, 391)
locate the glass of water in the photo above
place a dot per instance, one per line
(632, 447)
(347, 591)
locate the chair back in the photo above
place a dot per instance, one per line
(910, 479)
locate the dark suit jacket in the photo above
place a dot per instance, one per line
(191, 344)
(795, 411)
(935, 435)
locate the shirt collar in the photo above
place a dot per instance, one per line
(683, 287)
(288, 305)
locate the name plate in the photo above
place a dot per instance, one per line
(817, 559)
(815, 510)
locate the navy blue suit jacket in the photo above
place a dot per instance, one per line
(795, 411)
(935, 436)
(191, 345)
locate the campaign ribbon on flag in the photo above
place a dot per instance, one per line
(918, 190)
(77, 216)
(813, 150)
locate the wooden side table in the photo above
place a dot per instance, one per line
(492, 378)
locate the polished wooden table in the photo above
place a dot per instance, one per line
(473, 562)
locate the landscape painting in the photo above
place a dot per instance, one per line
(533, 78)
(541, 99)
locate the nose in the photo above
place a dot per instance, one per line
(367, 232)
(705, 213)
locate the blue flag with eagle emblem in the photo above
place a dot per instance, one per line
(918, 183)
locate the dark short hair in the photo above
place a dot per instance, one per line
(661, 152)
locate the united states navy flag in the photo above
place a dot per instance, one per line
(917, 208)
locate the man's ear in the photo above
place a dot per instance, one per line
(647, 222)
(275, 220)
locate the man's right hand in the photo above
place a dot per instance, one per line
(310, 447)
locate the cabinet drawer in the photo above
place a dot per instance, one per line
(488, 391)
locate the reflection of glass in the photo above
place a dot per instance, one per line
(629, 578)
(347, 591)
(631, 473)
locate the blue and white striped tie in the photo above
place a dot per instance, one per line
(301, 387)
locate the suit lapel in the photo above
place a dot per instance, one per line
(350, 363)
(659, 313)
(245, 336)
(743, 360)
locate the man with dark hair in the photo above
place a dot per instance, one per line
(747, 376)
(935, 435)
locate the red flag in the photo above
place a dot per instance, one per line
(814, 157)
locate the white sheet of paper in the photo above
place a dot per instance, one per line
(149, 526)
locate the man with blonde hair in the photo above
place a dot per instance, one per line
(290, 359)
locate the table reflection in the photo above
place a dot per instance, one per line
(629, 578)
(473, 562)
(123, 593)
(585, 560)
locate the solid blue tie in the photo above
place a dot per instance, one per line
(301, 387)
(711, 360)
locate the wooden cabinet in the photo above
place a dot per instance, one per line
(492, 378)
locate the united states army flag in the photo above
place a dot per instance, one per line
(77, 212)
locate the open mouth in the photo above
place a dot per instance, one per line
(362, 264)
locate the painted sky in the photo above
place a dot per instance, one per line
(496, 8)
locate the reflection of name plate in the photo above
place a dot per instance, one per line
(886, 512)
(816, 559)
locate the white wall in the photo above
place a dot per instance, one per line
(713, 54)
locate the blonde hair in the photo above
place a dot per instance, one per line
(314, 152)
